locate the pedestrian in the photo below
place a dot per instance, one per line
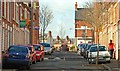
(111, 48)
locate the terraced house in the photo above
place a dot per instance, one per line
(83, 30)
(14, 15)
(110, 27)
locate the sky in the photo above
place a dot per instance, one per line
(64, 14)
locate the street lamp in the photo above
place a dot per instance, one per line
(31, 21)
(92, 34)
(84, 34)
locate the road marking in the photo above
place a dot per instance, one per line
(8, 70)
(45, 58)
(57, 58)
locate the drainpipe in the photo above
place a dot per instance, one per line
(118, 42)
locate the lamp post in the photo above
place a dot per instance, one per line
(31, 22)
(92, 35)
(84, 34)
(0, 39)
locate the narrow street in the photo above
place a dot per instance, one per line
(32, 28)
(65, 61)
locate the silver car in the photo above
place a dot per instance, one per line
(104, 55)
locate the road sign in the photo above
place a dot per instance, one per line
(36, 28)
(22, 23)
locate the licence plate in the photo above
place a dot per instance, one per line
(101, 58)
(107, 58)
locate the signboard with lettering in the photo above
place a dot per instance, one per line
(22, 23)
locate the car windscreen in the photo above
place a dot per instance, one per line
(18, 49)
(101, 48)
(93, 49)
(45, 44)
(81, 45)
(88, 47)
(36, 47)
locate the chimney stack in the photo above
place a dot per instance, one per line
(76, 6)
(49, 34)
(57, 38)
(67, 38)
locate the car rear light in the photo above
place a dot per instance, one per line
(7, 55)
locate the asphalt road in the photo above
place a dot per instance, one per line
(65, 61)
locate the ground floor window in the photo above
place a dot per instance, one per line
(2, 39)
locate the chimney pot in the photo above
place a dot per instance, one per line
(76, 6)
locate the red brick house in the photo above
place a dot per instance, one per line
(83, 30)
(12, 13)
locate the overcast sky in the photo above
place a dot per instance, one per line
(64, 14)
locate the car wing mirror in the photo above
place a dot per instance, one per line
(3, 51)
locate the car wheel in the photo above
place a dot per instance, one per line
(30, 62)
(34, 62)
(89, 62)
(88, 59)
(38, 60)
(49, 53)
(108, 61)
(28, 66)
(42, 59)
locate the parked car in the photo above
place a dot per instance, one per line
(39, 52)
(104, 55)
(17, 55)
(81, 48)
(47, 48)
(32, 53)
(87, 50)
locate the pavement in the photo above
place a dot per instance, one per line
(113, 66)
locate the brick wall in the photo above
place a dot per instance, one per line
(78, 32)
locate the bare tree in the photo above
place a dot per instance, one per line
(46, 16)
(62, 32)
(94, 14)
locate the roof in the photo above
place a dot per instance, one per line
(36, 44)
(79, 13)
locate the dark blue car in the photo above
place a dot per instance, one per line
(81, 48)
(18, 55)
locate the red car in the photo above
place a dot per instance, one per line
(39, 52)
(32, 53)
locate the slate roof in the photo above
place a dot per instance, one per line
(78, 13)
